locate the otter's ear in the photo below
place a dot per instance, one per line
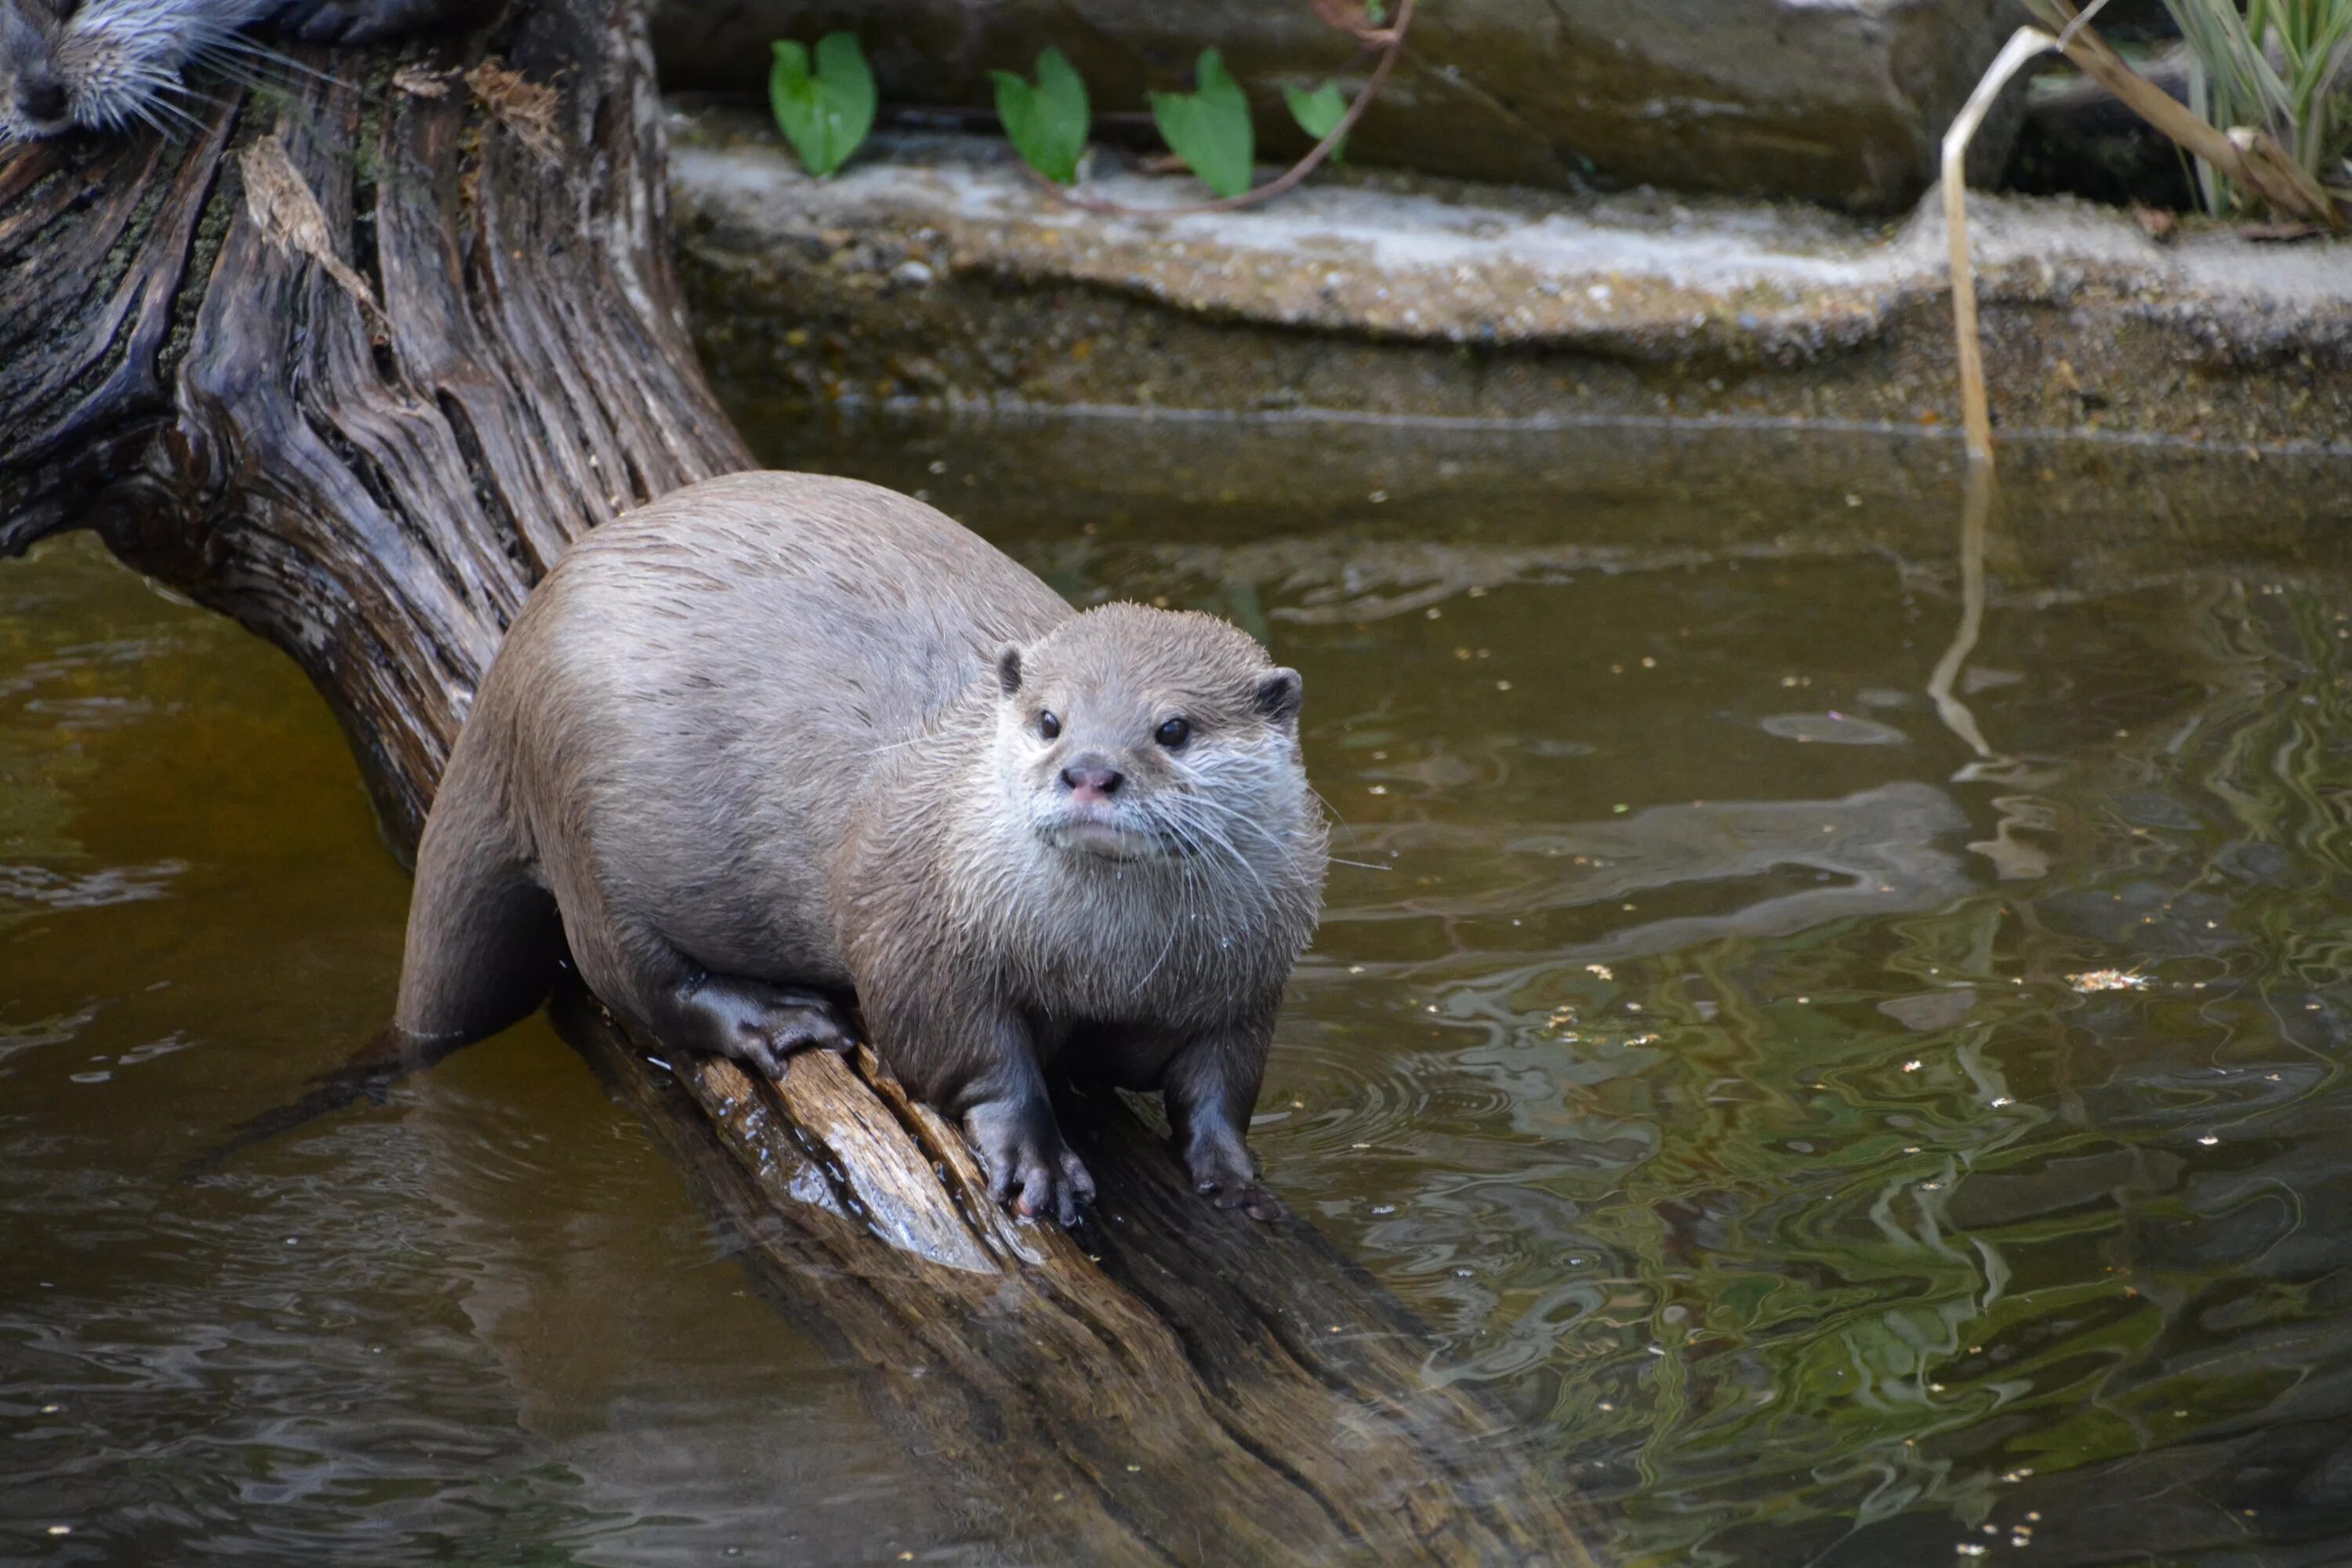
(1008, 668)
(1277, 695)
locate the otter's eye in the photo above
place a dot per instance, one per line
(1174, 734)
(1048, 726)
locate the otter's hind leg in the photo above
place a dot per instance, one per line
(484, 938)
(635, 971)
(751, 1020)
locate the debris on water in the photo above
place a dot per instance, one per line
(1832, 728)
(2107, 980)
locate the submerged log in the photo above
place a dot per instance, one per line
(353, 364)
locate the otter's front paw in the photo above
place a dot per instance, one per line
(356, 21)
(1030, 1170)
(1223, 1174)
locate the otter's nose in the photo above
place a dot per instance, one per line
(44, 101)
(1092, 778)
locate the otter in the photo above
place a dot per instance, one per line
(776, 741)
(104, 64)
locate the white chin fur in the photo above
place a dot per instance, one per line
(1103, 840)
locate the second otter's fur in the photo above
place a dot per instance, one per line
(777, 739)
(106, 64)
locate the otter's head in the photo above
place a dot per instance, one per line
(1131, 734)
(108, 65)
(35, 99)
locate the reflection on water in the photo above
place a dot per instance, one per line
(1699, 1037)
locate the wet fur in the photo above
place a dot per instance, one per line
(111, 64)
(773, 740)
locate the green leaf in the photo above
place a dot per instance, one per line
(1048, 122)
(826, 113)
(1319, 113)
(1208, 127)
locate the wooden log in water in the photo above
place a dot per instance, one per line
(1169, 1384)
(354, 364)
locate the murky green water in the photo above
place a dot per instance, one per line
(1701, 1042)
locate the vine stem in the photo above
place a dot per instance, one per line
(1314, 159)
(1976, 415)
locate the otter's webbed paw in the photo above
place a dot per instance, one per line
(1030, 1170)
(755, 1022)
(357, 21)
(1221, 1170)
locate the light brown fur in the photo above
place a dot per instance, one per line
(776, 739)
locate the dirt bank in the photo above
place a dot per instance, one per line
(935, 270)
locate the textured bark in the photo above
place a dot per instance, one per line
(353, 365)
(374, 490)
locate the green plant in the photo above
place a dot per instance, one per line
(1047, 121)
(1209, 127)
(2279, 66)
(827, 111)
(1319, 113)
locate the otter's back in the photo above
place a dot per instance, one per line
(700, 691)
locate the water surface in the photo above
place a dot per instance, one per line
(1834, 1122)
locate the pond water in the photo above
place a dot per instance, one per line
(1856, 1096)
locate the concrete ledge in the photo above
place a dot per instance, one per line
(935, 270)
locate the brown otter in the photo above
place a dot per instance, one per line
(776, 739)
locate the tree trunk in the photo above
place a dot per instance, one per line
(353, 365)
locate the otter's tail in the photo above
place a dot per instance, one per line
(485, 942)
(393, 1054)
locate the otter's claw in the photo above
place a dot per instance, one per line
(1030, 1170)
(1225, 1177)
(760, 1024)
